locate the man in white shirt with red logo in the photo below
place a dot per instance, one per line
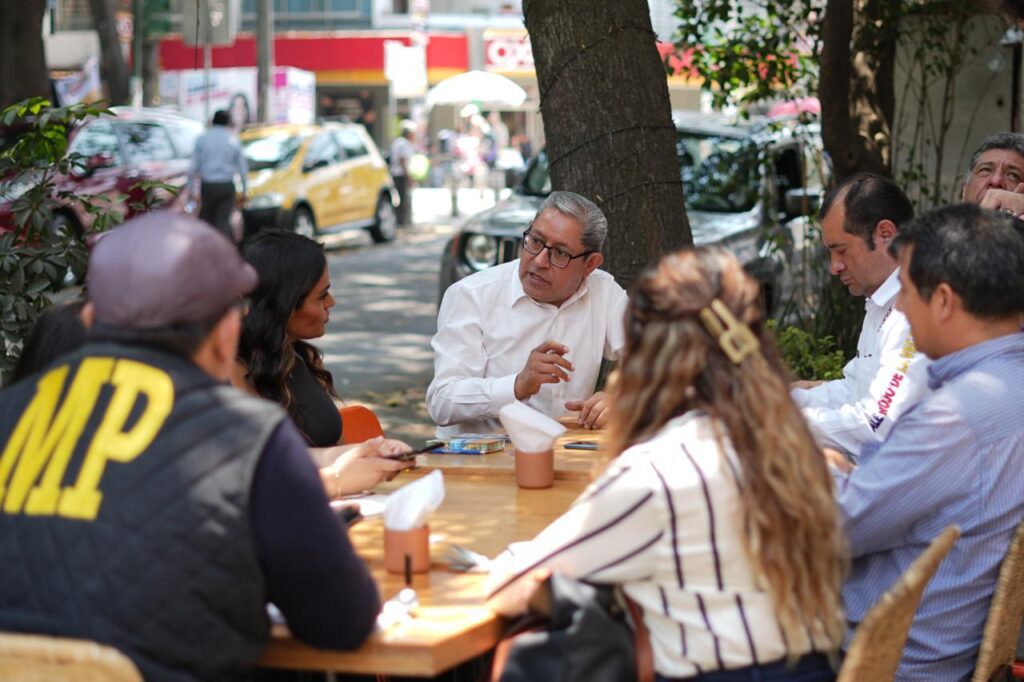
(535, 329)
(858, 220)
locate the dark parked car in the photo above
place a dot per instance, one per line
(748, 186)
(119, 152)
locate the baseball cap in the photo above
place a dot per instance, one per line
(165, 268)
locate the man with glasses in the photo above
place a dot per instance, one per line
(534, 330)
(995, 174)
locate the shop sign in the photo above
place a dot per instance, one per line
(507, 51)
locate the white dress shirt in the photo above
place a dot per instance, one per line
(887, 377)
(663, 522)
(486, 328)
(402, 150)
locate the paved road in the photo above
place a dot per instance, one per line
(377, 344)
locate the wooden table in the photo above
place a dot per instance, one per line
(569, 464)
(483, 510)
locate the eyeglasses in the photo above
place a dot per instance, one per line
(558, 257)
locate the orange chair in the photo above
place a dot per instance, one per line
(358, 424)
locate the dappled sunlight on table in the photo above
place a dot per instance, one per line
(484, 511)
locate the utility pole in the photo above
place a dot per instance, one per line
(264, 56)
(138, 30)
(204, 13)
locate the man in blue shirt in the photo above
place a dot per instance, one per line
(217, 160)
(957, 457)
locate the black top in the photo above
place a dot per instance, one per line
(316, 415)
(327, 597)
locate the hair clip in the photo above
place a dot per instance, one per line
(735, 337)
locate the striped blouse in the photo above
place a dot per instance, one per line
(663, 522)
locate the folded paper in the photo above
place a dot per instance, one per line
(530, 430)
(411, 505)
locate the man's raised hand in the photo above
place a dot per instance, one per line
(544, 366)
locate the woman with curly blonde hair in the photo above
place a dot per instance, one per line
(717, 518)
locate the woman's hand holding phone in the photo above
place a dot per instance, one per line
(365, 465)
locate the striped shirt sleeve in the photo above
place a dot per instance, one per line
(608, 536)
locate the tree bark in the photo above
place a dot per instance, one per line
(856, 89)
(22, 56)
(113, 67)
(608, 123)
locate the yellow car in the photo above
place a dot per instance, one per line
(317, 179)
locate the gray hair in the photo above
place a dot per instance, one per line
(585, 211)
(1013, 142)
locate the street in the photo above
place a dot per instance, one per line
(377, 344)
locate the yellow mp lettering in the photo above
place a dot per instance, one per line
(41, 437)
(112, 442)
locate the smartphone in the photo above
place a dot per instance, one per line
(581, 445)
(406, 456)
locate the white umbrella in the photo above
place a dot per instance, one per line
(487, 89)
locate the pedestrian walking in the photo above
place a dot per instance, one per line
(402, 150)
(217, 160)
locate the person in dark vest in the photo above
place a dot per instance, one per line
(146, 504)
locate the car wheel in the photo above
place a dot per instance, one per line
(385, 225)
(303, 223)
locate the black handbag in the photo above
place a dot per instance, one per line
(575, 631)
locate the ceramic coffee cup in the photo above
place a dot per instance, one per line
(414, 543)
(535, 469)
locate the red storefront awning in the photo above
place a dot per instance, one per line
(336, 58)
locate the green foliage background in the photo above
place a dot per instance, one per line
(43, 253)
(763, 50)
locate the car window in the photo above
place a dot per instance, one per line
(183, 135)
(720, 174)
(97, 138)
(322, 148)
(145, 141)
(351, 142)
(271, 151)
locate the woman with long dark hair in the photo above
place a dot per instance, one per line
(290, 307)
(717, 516)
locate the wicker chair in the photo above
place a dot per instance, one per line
(877, 645)
(36, 658)
(1002, 628)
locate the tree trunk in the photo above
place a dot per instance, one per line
(856, 89)
(608, 123)
(113, 67)
(22, 57)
